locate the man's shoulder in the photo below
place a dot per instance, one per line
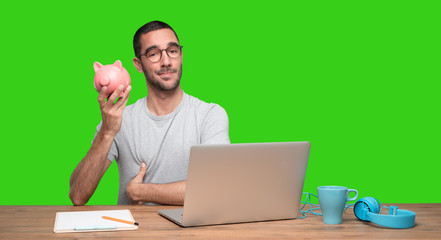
(203, 108)
(138, 104)
(135, 108)
(201, 105)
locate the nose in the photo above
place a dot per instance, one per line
(165, 59)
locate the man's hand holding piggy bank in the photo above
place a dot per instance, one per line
(111, 81)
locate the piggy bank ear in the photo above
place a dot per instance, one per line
(97, 65)
(118, 64)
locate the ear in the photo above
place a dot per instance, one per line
(137, 64)
(118, 64)
(97, 65)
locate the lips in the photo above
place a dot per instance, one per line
(166, 75)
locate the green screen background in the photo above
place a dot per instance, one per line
(358, 79)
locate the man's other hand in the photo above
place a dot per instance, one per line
(133, 186)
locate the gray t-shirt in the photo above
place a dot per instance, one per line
(163, 142)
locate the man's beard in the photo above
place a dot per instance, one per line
(159, 85)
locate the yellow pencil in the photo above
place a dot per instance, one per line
(120, 220)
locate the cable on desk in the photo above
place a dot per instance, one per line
(312, 206)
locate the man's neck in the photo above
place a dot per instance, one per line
(162, 103)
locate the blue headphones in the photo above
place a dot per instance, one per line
(367, 210)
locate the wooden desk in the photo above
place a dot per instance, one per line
(37, 222)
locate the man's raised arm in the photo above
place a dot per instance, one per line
(88, 173)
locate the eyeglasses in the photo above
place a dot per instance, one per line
(155, 54)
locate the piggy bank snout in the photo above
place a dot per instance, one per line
(104, 81)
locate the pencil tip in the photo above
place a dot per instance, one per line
(136, 224)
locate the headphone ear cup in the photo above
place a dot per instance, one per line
(365, 205)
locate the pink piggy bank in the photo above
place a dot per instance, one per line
(111, 76)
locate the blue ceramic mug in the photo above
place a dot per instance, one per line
(332, 201)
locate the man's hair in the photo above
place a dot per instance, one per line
(148, 27)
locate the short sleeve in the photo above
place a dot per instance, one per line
(215, 127)
(113, 152)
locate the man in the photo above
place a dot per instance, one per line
(150, 139)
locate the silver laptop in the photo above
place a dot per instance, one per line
(234, 183)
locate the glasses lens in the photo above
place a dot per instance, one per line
(174, 51)
(154, 55)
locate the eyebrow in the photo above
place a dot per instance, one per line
(155, 46)
(150, 48)
(173, 44)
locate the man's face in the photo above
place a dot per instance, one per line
(164, 75)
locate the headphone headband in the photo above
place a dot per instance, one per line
(368, 208)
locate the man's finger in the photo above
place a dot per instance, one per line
(102, 96)
(115, 94)
(141, 173)
(121, 104)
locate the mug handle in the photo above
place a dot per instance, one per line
(355, 197)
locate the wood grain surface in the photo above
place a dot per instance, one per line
(37, 222)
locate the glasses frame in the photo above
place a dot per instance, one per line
(161, 50)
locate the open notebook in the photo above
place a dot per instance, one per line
(91, 221)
